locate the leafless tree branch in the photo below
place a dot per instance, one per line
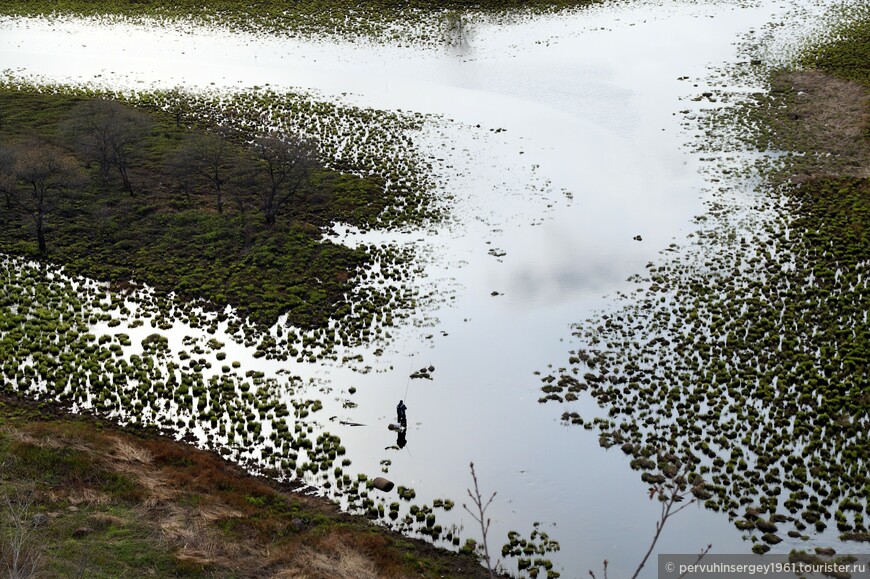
(480, 516)
(20, 556)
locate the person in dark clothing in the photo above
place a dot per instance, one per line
(400, 412)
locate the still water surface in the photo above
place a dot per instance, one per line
(592, 155)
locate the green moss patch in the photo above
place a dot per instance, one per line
(170, 235)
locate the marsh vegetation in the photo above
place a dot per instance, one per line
(385, 20)
(132, 219)
(121, 194)
(746, 356)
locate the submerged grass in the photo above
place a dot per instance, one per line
(747, 355)
(60, 335)
(417, 20)
(845, 51)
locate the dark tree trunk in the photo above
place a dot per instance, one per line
(40, 235)
(105, 167)
(126, 178)
(269, 209)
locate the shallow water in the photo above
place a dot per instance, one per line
(592, 155)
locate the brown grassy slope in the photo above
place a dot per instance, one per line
(114, 503)
(827, 118)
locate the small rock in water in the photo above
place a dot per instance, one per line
(383, 484)
(637, 238)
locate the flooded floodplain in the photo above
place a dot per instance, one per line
(559, 150)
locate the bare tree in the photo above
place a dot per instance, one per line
(108, 132)
(287, 163)
(177, 104)
(669, 493)
(20, 555)
(7, 179)
(35, 175)
(203, 157)
(479, 515)
(455, 28)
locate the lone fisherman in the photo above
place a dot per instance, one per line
(400, 412)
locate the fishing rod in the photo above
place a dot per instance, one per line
(408, 381)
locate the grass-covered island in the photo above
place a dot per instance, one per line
(122, 193)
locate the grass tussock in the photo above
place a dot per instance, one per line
(753, 342)
(167, 231)
(421, 20)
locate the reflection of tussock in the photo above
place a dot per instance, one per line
(457, 28)
(744, 356)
